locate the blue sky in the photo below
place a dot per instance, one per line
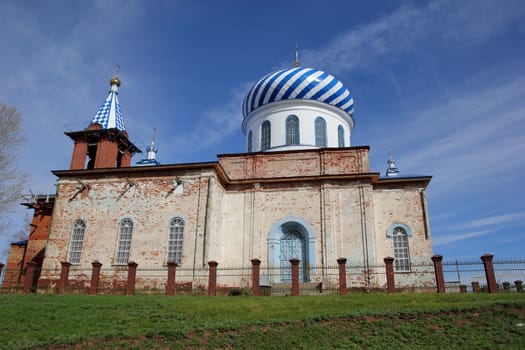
(441, 82)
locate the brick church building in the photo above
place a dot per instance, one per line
(300, 190)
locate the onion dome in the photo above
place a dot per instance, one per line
(299, 83)
(152, 150)
(109, 115)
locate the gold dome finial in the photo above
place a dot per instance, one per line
(115, 80)
(296, 63)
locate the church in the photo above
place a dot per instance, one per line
(299, 190)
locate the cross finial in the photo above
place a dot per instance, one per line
(115, 80)
(296, 63)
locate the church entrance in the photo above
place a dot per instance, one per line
(292, 245)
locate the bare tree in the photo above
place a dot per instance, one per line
(12, 179)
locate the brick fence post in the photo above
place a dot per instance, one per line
(506, 286)
(132, 273)
(438, 270)
(475, 286)
(212, 278)
(64, 275)
(341, 263)
(295, 276)
(256, 268)
(390, 281)
(519, 286)
(28, 280)
(95, 277)
(172, 270)
(489, 273)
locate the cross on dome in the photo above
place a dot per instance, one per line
(109, 114)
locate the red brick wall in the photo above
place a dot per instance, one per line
(297, 163)
(12, 277)
(79, 155)
(106, 154)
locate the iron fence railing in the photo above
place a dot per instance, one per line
(459, 276)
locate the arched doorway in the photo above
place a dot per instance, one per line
(291, 238)
(292, 247)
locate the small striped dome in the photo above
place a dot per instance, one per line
(298, 83)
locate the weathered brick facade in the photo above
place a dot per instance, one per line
(231, 207)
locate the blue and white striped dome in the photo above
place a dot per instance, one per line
(298, 83)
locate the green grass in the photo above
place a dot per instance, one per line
(354, 321)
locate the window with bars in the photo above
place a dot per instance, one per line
(341, 136)
(249, 141)
(320, 132)
(124, 241)
(175, 238)
(292, 130)
(77, 240)
(401, 251)
(266, 135)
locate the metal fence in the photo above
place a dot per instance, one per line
(459, 276)
(471, 274)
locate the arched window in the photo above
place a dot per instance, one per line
(320, 132)
(124, 241)
(341, 136)
(266, 135)
(175, 238)
(292, 130)
(77, 240)
(401, 251)
(249, 141)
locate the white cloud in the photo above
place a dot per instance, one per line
(216, 124)
(443, 240)
(410, 29)
(502, 219)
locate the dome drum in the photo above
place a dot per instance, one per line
(338, 126)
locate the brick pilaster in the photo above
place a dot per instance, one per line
(172, 270)
(295, 276)
(438, 270)
(95, 277)
(475, 286)
(390, 281)
(341, 263)
(132, 273)
(489, 273)
(256, 266)
(212, 278)
(64, 275)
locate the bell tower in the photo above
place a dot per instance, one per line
(104, 143)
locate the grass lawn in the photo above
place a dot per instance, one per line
(400, 321)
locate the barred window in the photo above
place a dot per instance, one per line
(401, 252)
(320, 132)
(341, 136)
(175, 238)
(292, 130)
(124, 241)
(77, 240)
(249, 141)
(266, 135)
